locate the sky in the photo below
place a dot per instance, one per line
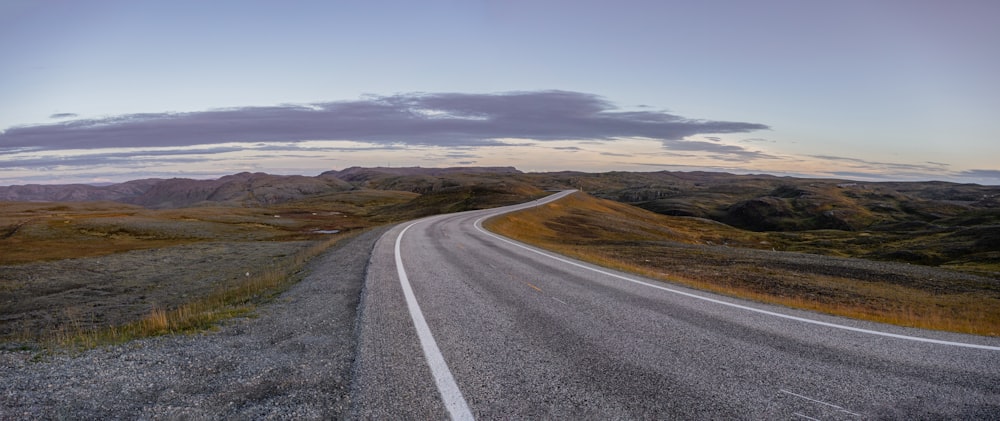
(106, 91)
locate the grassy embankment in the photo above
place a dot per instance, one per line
(227, 301)
(715, 257)
(36, 233)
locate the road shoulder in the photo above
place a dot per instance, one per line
(292, 361)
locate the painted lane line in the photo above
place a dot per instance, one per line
(458, 409)
(479, 226)
(561, 301)
(534, 287)
(837, 407)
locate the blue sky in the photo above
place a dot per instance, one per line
(102, 91)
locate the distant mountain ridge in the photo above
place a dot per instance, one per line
(364, 173)
(243, 189)
(76, 192)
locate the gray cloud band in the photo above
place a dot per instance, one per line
(439, 119)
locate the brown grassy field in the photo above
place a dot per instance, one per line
(200, 312)
(713, 256)
(113, 270)
(87, 272)
(31, 232)
(93, 272)
(938, 224)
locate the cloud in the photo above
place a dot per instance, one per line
(76, 160)
(927, 167)
(452, 126)
(985, 176)
(856, 175)
(458, 155)
(928, 170)
(430, 119)
(731, 152)
(129, 158)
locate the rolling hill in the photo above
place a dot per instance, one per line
(930, 223)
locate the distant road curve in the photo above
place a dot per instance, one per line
(459, 322)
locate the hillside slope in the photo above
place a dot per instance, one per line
(932, 223)
(717, 257)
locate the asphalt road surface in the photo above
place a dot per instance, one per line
(458, 322)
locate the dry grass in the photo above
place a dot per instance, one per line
(32, 232)
(677, 249)
(236, 299)
(39, 233)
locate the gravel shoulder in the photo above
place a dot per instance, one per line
(293, 360)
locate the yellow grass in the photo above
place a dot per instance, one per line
(623, 237)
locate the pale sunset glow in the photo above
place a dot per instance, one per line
(116, 90)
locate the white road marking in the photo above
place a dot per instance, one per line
(479, 226)
(561, 301)
(837, 407)
(458, 409)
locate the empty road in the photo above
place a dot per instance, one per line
(458, 322)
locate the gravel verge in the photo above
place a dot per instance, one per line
(291, 361)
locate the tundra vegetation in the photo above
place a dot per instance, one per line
(709, 255)
(87, 265)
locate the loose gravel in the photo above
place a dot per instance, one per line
(292, 361)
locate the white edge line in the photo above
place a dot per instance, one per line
(458, 409)
(837, 407)
(479, 226)
(811, 399)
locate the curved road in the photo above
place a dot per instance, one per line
(458, 322)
